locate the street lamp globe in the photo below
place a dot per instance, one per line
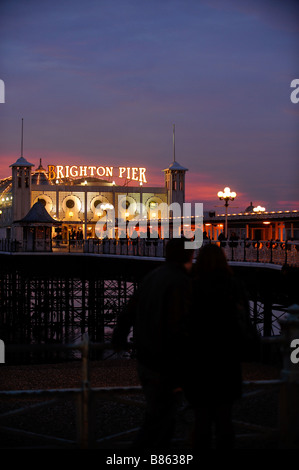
(226, 195)
(259, 209)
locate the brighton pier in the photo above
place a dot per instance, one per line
(74, 171)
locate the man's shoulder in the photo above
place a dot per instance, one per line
(166, 275)
(166, 269)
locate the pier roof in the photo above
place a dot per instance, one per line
(38, 215)
(21, 162)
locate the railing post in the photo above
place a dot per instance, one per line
(85, 428)
(289, 391)
(271, 251)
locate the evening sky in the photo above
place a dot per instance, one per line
(101, 82)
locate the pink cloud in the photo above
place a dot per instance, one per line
(288, 205)
(200, 187)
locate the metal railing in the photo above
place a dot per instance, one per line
(84, 396)
(264, 251)
(16, 246)
(270, 252)
(126, 246)
(288, 406)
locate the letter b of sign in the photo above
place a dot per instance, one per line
(2, 92)
(2, 349)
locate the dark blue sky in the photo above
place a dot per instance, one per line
(103, 81)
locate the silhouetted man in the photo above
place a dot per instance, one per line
(159, 314)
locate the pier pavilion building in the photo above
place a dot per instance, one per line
(78, 196)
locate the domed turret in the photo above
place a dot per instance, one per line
(40, 175)
(175, 179)
(249, 208)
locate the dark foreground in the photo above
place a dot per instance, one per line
(52, 424)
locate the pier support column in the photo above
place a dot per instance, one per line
(267, 316)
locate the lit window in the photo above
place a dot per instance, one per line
(70, 204)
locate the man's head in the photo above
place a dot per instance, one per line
(178, 254)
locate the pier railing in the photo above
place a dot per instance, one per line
(130, 247)
(257, 251)
(271, 252)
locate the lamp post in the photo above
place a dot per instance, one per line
(226, 195)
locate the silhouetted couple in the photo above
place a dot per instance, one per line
(188, 323)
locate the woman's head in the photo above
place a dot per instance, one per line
(211, 259)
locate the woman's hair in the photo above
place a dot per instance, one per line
(211, 259)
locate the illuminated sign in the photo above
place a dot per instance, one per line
(75, 171)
